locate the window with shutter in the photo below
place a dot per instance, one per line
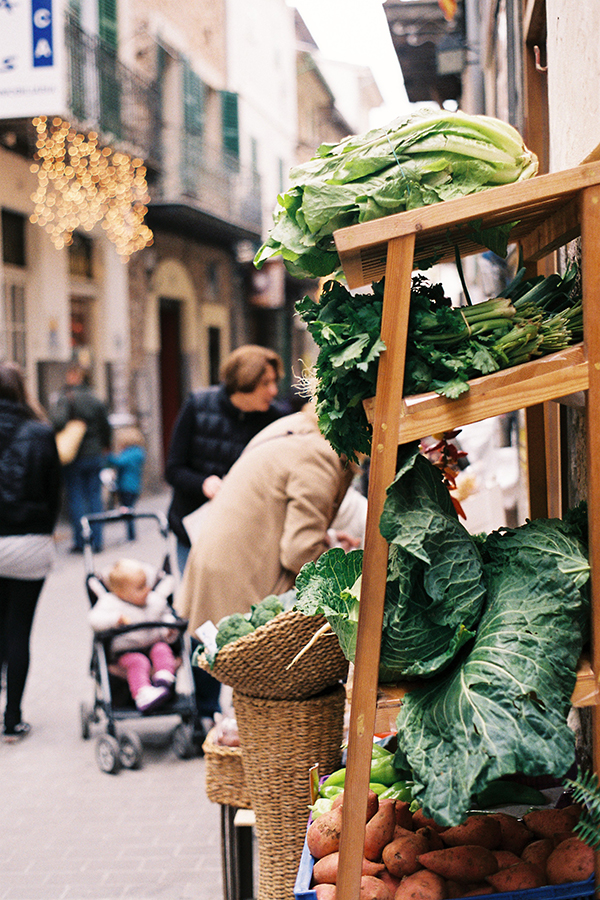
(194, 103)
(110, 89)
(230, 127)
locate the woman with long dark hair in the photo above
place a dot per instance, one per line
(30, 478)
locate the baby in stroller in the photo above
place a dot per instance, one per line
(143, 655)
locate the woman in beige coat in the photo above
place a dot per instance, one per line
(270, 517)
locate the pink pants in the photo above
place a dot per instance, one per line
(138, 665)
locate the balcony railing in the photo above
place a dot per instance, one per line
(107, 96)
(202, 176)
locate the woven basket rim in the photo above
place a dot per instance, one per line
(243, 664)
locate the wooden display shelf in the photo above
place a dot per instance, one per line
(546, 212)
(544, 209)
(491, 395)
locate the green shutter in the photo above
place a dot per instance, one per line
(193, 101)
(107, 22)
(229, 123)
(193, 90)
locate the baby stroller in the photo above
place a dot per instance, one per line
(113, 703)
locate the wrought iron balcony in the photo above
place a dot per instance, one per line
(106, 96)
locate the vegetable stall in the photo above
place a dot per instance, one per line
(400, 363)
(548, 212)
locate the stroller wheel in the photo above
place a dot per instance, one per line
(130, 750)
(87, 716)
(107, 754)
(183, 741)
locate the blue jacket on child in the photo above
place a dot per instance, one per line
(129, 464)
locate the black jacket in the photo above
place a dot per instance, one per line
(209, 435)
(79, 402)
(30, 473)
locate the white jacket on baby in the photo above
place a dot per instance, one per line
(109, 609)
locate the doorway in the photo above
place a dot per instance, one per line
(170, 364)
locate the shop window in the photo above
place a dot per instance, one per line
(13, 238)
(14, 322)
(80, 256)
(80, 324)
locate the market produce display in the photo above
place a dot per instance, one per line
(425, 158)
(236, 625)
(495, 687)
(410, 856)
(446, 345)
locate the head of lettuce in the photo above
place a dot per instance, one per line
(424, 158)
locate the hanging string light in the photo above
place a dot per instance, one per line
(81, 183)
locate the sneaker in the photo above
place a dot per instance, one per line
(15, 734)
(149, 697)
(164, 678)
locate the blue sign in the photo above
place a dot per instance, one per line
(41, 21)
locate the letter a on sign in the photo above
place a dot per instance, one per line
(41, 23)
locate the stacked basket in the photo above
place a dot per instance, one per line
(290, 717)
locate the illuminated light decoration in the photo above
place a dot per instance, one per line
(81, 184)
(448, 7)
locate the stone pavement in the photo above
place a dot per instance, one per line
(69, 831)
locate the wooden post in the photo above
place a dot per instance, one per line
(394, 327)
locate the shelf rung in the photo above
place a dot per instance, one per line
(547, 378)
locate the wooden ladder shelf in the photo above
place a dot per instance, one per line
(548, 212)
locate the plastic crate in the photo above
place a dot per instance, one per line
(572, 891)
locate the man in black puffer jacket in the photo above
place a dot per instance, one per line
(212, 429)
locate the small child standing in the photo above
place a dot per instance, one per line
(130, 601)
(128, 459)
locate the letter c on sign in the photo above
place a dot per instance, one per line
(42, 18)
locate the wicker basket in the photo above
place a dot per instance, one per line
(256, 664)
(225, 780)
(281, 740)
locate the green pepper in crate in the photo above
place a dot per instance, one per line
(399, 790)
(336, 779)
(330, 790)
(383, 770)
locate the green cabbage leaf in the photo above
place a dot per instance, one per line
(503, 708)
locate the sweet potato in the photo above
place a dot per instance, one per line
(546, 822)
(421, 885)
(506, 858)
(467, 863)
(372, 803)
(325, 870)
(400, 857)
(391, 880)
(516, 878)
(482, 830)
(572, 860)
(403, 815)
(538, 852)
(323, 835)
(325, 891)
(420, 820)
(514, 834)
(434, 838)
(379, 830)
(372, 888)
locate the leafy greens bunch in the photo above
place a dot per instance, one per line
(415, 161)
(446, 345)
(492, 625)
(435, 584)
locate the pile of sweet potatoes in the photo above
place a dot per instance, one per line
(410, 857)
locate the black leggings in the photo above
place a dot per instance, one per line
(18, 599)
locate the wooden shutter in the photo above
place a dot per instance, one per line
(230, 123)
